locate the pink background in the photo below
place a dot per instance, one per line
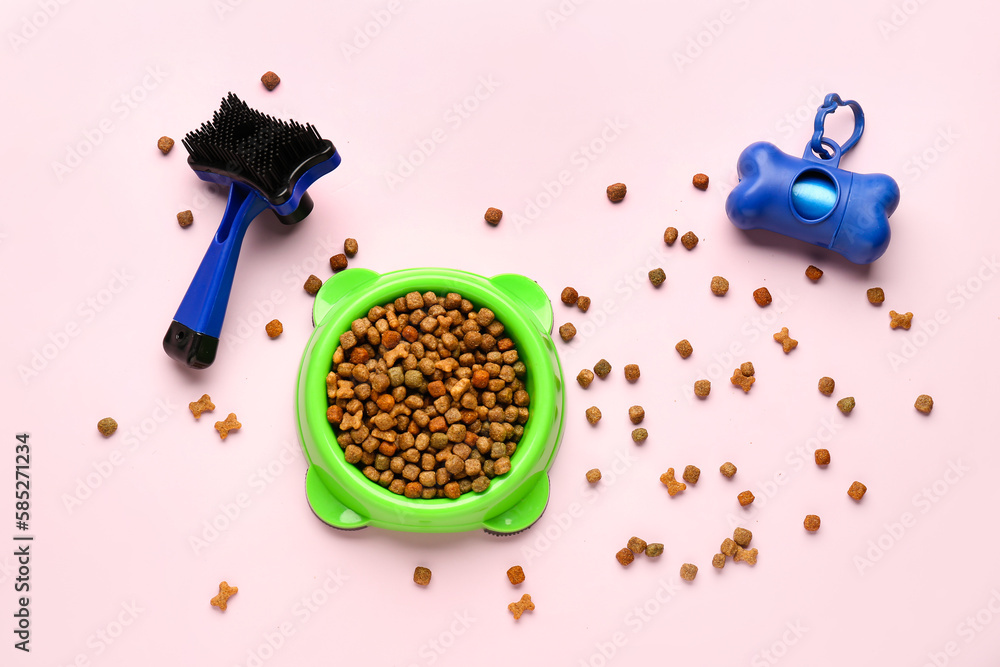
(94, 249)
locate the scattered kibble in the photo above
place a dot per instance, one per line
(787, 342)
(185, 218)
(691, 474)
(350, 247)
(719, 286)
(876, 296)
(225, 592)
(689, 571)
(338, 262)
(493, 216)
(654, 550)
(631, 372)
(602, 368)
(521, 606)
(625, 557)
(748, 556)
(657, 276)
(813, 273)
(616, 192)
(516, 575)
(421, 576)
(742, 381)
(727, 469)
(569, 296)
(583, 303)
(107, 426)
(636, 414)
(673, 486)
(822, 457)
(670, 235)
(203, 404)
(312, 284)
(924, 404)
(593, 414)
(593, 475)
(274, 328)
(747, 368)
(719, 561)
(846, 404)
(702, 388)
(230, 424)
(567, 331)
(636, 545)
(899, 320)
(639, 435)
(745, 498)
(270, 80)
(826, 385)
(811, 523)
(742, 537)
(684, 348)
(165, 144)
(700, 181)
(689, 240)
(729, 547)
(857, 490)
(762, 296)
(585, 377)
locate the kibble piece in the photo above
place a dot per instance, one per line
(636, 414)
(521, 606)
(719, 561)
(700, 181)
(583, 303)
(924, 403)
(222, 599)
(639, 435)
(569, 296)
(602, 368)
(203, 404)
(826, 385)
(787, 342)
(593, 475)
(593, 414)
(813, 273)
(230, 424)
(616, 192)
(567, 331)
(846, 405)
(729, 547)
(654, 550)
(350, 247)
(670, 235)
(185, 218)
(762, 296)
(274, 328)
(822, 457)
(493, 216)
(702, 388)
(270, 80)
(857, 490)
(811, 523)
(745, 498)
(673, 486)
(689, 571)
(516, 575)
(747, 368)
(719, 286)
(742, 381)
(585, 377)
(107, 426)
(876, 296)
(748, 556)
(742, 537)
(636, 545)
(691, 474)
(684, 348)
(689, 240)
(421, 576)
(312, 285)
(625, 557)
(897, 320)
(728, 469)
(338, 262)
(657, 276)
(631, 372)
(165, 144)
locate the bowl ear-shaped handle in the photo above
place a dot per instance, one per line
(337, 287)
(530, 293)
(326, 506)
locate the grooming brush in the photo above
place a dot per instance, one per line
(267, 163)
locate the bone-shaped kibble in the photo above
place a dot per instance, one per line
(225, 592)
(748, 556)
(203, 404)
(673, 486)
(521, 606)
(226, 426)
(350, 421)
(787, 342)
(744, 382)
(897, 320)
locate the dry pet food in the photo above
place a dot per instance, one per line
(857, 490)
(702, 388)
(811, 523)
(742, 381)
(729, 547)
(654, 550)
(165, 144)
(876, 296)
(203, 404)
(897, 320)
(107, 426)
(631, 372)
(762, 296)
(567, 331)
(719, 561)
(421, 576)
(225, 592)
(585, 377)
(728, 469)
(822, 457)
(493, 216)
(616, 192)
(602, 368)
(338, 262)
(742, 537)
(569, 296)
(748, 556)
(636, 545)
(691, 474)
(274, 328)
(636, 414)
(689, 571)
(312, 284)
(593, 414)
(787, 342)
(350, 247)
(185, 218)
(700, 181)
(745, 498)
(270, 80)
(639, 435)
(846, 405)
(657, 276)
(747, 368)
(521, 606)
(719, 286)
(583, 303)
(594, 475)
(684, 348)
(924, 403)
(673, 486)
(625, 557)
(689, 240)
(813, 273)
(516, 575)
(670, 235)
(826, 385)
(230, 424)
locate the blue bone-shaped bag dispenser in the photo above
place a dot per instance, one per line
(811, 198)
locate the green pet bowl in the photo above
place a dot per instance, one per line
(343, 497)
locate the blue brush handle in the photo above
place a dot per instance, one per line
(193, 337)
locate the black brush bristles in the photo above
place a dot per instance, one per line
(265, 153)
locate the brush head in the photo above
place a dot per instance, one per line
(264, 153)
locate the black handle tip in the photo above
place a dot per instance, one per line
(190, 347)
